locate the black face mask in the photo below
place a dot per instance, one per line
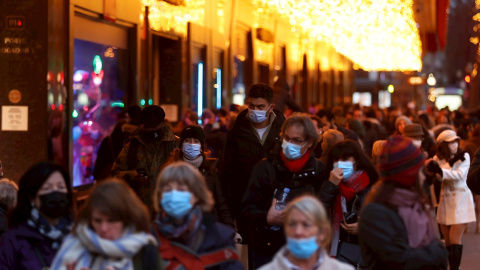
(152, 135)
(54, 204)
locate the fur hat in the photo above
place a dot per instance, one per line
(151, 116)
(193, 132)
(400, 161)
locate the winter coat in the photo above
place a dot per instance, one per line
(384, 242)
(3, 218)
(148, 155)
(242, 151)
(456, 201)
(473, 180)
(268, 176)
(278, 263)
(216, 236)
(222, 211)
(20, 248)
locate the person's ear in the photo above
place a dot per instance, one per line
(272, 106)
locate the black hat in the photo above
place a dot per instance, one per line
(192, 132)
(151, 116)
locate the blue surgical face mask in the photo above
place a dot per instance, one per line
(176, 203)
(346, 166)
(257, 116)
(302, 248)
(191, 151)
(292, 151)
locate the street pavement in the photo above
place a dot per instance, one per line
(471, 249)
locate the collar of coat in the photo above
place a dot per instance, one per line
(243, 127)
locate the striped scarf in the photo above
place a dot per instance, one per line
(55, 233)
(187, 230)
(91, 251)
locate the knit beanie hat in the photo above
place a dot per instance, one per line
(400, 161)
(192, 132)
(151, 116)
(402, 118)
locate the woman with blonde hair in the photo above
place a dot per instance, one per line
(189, 236)
(308, 234)
(111, 232)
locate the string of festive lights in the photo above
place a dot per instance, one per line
(475, 40)
(375, 35)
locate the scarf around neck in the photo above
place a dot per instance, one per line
(187, 230)
(346, 191)
(295, 165)
(55, 233)
(196, 162)
(418, 221)
(89, 250)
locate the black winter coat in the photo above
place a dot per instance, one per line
(267, 176)
(242, 151)
(473, 180)
(384, 242)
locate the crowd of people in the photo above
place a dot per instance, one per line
(340, 188)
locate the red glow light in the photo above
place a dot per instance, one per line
(60, 107)
(19, 23)
(52, 107)
(85, 108)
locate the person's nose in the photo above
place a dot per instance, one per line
(299, 231)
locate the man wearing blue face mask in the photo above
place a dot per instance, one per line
(254, 134)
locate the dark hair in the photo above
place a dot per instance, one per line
(319, 121)
(326, 113)
(261, 90)
(116, 200)
(349, 148)
(134, 113)
(443, 151)
(29, 185)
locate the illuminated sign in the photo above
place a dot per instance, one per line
(415, 81)
(15, 22)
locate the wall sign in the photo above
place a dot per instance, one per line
(14, 118)
(14, 96)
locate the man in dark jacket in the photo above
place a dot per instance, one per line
(254, 134)
(328, 122)
(143, 156)
(473, 180)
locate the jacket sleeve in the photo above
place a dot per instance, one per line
(223, 211)
(120, 167)
(256, 200)
(460, 174)
(8, 252)
(380, 232)
(473, 180)
(328, 192)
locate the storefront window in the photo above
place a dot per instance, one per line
(100, 82)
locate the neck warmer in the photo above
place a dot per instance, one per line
(186, 231)
(195, 162)
(295, 165)
(55, 233)
(419, 223)
(347, 190)
(89, 250)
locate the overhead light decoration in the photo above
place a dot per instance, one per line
(165, 17)
(375, 35)
(475, 40)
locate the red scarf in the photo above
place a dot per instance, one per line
(356, 183)
(295, 165)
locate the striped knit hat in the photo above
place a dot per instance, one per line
(400, 161)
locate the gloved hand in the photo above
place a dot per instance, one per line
(433, 167)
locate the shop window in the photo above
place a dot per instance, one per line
(100, 81)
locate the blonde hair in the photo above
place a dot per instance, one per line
(183, 173)
(8, 193)
(312, 208)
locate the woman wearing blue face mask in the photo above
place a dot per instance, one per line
(188, 234)
(308, 232)
(292, 164)
(351, 175)
(192, 149)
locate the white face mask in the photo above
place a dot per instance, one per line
(453, 146)
(417, 143)
(258, 116)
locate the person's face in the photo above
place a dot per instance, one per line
(453, 146)
(179, 187)
(357, 114)
(294, 134)
(352, 159)
(326, 124)
(192, 141)
(315, 125)
(299, 226)
(55, 182)
(401, 126)
(106, 227)
(260, 104)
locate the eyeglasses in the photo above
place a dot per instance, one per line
(295, 141)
